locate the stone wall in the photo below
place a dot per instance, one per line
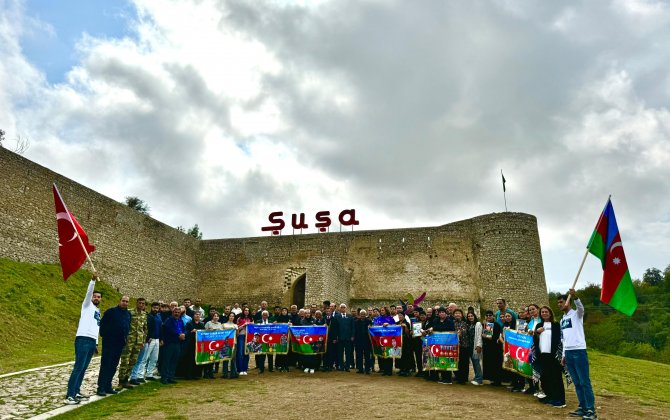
(135, 253)
(470, 262)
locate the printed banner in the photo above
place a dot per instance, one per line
(440, 351)
(266, 339)
(416, 329)
(309, 339)
(214, 345)
(487, 330)
(386, 341)
(517, 352)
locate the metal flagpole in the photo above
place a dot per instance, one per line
(504, 189)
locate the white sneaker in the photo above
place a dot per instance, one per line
(541, 395)
(306, 370)
(71, 401)
(311, 371)
(475, 383)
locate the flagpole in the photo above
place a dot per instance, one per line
(88, 258)
(504, 190)
(574, 283)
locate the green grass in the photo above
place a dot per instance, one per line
(642, 380)
(155, 400)
(41, 313)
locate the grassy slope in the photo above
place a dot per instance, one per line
(40, 313)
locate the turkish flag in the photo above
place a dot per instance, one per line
(70, 250)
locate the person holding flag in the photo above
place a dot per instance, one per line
(85, 342)
(575, 358)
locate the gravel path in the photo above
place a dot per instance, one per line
(29, 394)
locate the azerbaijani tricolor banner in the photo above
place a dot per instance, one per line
(517, 352)
(605, 243)
(309, 339)
(386, 341)
(214, 345)
(440, 351)
(266, 339)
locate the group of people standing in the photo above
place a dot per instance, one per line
(140, 344)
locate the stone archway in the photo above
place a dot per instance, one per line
(298, 291)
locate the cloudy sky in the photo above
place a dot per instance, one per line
(219, 112)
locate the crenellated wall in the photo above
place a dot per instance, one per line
(470, 262)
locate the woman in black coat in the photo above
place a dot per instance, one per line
(493, 350)
(548, 352)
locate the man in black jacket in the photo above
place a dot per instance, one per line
(345, 339)
(114, 328)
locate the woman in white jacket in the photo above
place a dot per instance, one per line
(476, 337)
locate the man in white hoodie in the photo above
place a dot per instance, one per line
(86, 341)
(575, 358)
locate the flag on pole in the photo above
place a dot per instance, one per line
(503, 180)
(605, 243)
(70, 248)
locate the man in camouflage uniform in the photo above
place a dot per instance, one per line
(136, 339)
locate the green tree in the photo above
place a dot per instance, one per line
(194, 231)
(138, 204)
(2, 136)
(652, 276)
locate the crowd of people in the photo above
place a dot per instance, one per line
(160, 344)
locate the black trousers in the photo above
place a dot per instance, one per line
(363, 360)
(111, 354)
(386, 365)
(463, 372)
(171, 353)
(552, 378)
(417, 349)
(345, 348)
(260, 362)
(330, 360)
(444, 376)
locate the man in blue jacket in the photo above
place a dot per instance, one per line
(114, 328)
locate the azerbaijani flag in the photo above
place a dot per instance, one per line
(440, 351)
(308, 339)
(386, 341)
(214, 345)
(517, 352)
(605, 243)
(267, 339)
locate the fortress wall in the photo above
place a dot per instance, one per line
(135, 253)
(470, 262)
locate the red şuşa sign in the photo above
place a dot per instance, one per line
(323, 221)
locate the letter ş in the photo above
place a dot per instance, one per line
(346, 218)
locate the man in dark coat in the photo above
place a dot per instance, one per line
(345, 339)
(114, 328)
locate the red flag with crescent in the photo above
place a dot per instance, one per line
(70, 250)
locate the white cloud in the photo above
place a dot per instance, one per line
(217, 113)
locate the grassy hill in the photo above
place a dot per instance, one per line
(41, 312)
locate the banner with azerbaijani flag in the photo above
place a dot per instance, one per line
(308, 339)
(517, 354)
(386, 341)
(266, 339)
(214, 345)
(440, 351)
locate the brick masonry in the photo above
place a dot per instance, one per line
(470, 262)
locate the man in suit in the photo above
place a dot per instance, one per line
(260, 358)
(345, 339)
